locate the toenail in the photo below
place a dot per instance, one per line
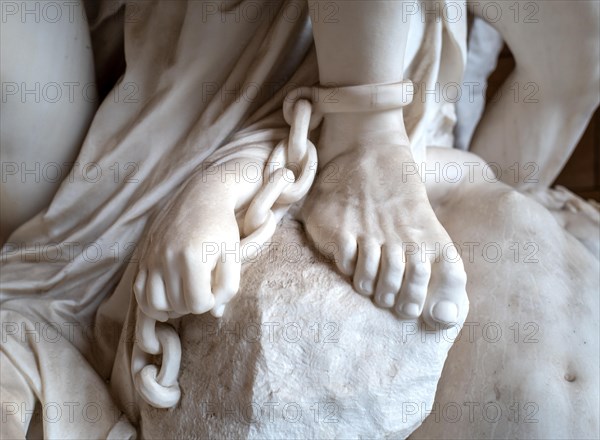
(388, 299)
(411, 310)
(445, 311)
(364, 287)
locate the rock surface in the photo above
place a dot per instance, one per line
(299, 354)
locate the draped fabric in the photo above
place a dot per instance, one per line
(209, 83)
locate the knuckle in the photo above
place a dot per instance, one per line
(420, 273)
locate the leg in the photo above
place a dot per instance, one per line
(375, 211)
(16, 395)
(524, 365)
(47, 105)
(542, 109)
(485, 44)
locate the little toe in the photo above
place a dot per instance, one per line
(390, 276)
(367, 266)
(447, 302)
(414, 287)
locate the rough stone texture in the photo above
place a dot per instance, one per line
(299, 354)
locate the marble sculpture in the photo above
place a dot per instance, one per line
(258, 220)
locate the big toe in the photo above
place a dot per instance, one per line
(447, 302)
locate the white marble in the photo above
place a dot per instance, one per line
(49, 97)
(184, 117)
(299, 354)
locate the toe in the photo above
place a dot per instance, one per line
(337, 245)
(390, 276)
(447, 302)
(367, 266)
(414, 287)
(345, 253)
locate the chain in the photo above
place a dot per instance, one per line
(157, 387)
(287, 177)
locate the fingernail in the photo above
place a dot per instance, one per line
(445, 311)
(218, 311)
(411, 309)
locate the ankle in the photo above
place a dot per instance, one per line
(365, 124)
(343, 132)
(355, 116)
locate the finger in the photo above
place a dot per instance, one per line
(196, 277)
(139, 289)
(174, 287)
(156, 296)
(227, 284)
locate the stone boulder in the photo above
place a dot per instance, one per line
(299, 354)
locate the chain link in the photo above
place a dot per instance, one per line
(157, 387)
(287, 177)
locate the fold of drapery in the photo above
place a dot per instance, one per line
(198, 76)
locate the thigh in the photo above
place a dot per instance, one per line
(540, 33)
(524, 364)
(534, 122)
(48, 100)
